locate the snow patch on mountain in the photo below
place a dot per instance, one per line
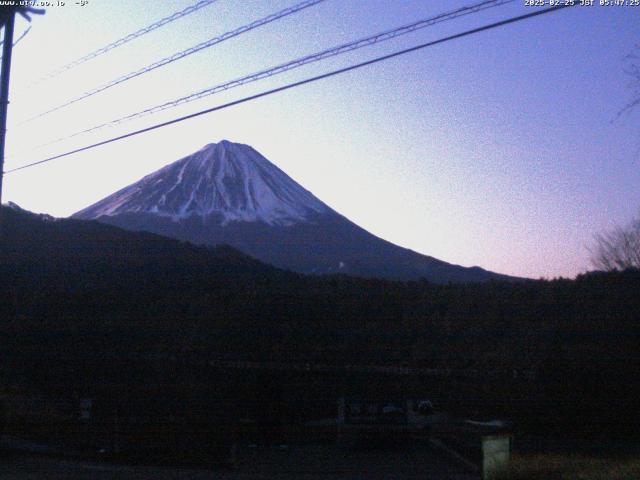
(227, 180)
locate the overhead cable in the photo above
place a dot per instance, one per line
(184, 53)
(299, 62)
(294, 84)
(126, 39)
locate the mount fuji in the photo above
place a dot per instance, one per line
(228, 193)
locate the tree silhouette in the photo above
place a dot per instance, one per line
(632, 69)
(618, 249)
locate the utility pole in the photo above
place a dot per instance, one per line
(7, 21)
(7, 48)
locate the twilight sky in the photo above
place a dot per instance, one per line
(502, 149)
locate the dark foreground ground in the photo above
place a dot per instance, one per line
(293, 462)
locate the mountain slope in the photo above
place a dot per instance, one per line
(229, 193)
(37, 247)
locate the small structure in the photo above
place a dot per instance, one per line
(483, 446)
(496, 450)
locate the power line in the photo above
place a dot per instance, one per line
(24, 34)
(299, 62)
(297, 84)
(184, 53)
(15, 42)
(154, 26)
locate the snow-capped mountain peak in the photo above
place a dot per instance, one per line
(226, 181)
(227, 193)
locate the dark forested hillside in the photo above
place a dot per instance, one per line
(75, 292)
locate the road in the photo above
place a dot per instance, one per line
(276, 463)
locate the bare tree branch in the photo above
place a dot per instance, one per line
(618, 249)
(632, 69)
